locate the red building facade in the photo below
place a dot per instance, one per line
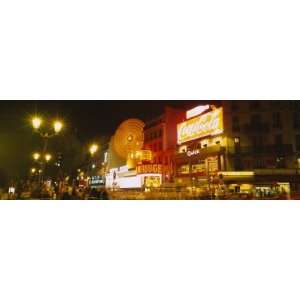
(161, 138)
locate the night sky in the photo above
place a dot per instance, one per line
(86, 120)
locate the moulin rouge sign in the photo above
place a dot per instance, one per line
(208, 124)
(149, 168)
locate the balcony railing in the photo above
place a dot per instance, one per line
(256, 128)
(277, 171)
(284, 149)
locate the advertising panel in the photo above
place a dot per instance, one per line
(149, 168)
(208, 124)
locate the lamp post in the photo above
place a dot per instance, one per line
(93, 149)
(46, 132)
(41, 160)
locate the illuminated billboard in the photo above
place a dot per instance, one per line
(204, 125)
(149, 168)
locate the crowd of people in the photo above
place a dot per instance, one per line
(52, 191)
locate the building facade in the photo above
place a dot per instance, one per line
(160, 136)
(244, 144)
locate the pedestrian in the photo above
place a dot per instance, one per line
(104, 195)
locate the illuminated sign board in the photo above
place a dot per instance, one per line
(152, 181)
(96, 181)
(149, 168)
(196, 111)
(204, 125)
(212, 165)
(193, 152)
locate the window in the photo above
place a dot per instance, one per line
(235, 124)
(185, 169)
(199, 167)
(278, 139)
(166, 160)
(255, 105)
(160, 146)
(296, 120)
(277, 123)
(256, 119)
(237, 141)
(259, 164)
(257, 142)
(237, 144)
(238, 165)
(237, 189)
(298, 142)
(234, 106)
(280, 162)
(160, 133)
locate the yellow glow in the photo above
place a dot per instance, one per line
(36, 156)
(48, 157)
(144, 155)
(94, 148)
(239, 173)
(246, 186)
(208, 124)
(36, 122)
(58, 125)
(149, 168)
(33, 170)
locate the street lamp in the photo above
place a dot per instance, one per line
(36, 156)
(57, 125)
(36, 122)
(48, 157)
(50, 131)
(93, 149)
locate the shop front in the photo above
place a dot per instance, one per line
(199, 168)
(201, 148)
(144, 176)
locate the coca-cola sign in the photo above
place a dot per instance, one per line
(204, 125)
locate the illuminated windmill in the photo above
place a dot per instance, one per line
(129, 140)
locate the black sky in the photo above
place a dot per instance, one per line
(84, 119)
(87, 118)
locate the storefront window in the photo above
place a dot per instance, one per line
(184, 169)
(199, 167)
